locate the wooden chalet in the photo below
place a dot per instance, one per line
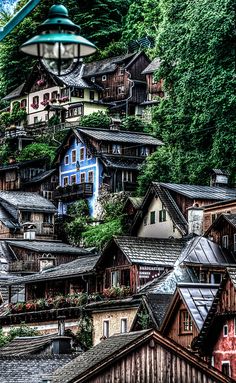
(187, 312)
(15, 175)
(223, 232)
(155, 89)
(176, 209)
(132, 261)
(217, 339)
(206, 259)
(91, 160)
(121, 80)
(213, 211)
(44, 183)
(30, 256)
(26, 215)
(143, 356)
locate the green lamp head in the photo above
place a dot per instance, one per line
(58, 45)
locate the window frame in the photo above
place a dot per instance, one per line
(66, 160)
(106, 328)
(185, 322)
(162, 215)
(65, 181)
(73, 154)
(152, 217)
(225, 330)
(104, 77)
(83, 174)
(91, 172)
(82, 154)
(226, 363)
(225, 241)
(123, 325)
(73, 176)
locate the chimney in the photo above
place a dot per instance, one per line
(115, 124)
(219, 178)
(61, 344)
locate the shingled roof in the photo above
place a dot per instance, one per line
(122, 136)
(153, 66)
(204, 192)
(202, 251)
(150, 251)
(26, 201)
(26, 345)
(230, 218)
(82, 265)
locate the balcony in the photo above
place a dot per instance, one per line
(72, 192)
(24, 266)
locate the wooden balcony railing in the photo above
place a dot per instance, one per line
(74, 191)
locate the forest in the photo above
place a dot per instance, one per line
(195, 42)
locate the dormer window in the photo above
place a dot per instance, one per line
(104, 77)
(116, 149)
(121, 89)
(185, 322)
(225, 241)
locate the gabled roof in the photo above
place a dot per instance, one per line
(26, 345)
(149, 251)
(202, 251)
(167, 282)
(17, 92)
(108, 65)
(41, 177)
(230, 218)
(114, 349)
(153, 66)
(204, 192)
(156, 189)
(121, 136)
(26, 201)
(54, 247)
(28, 163)
(135, 201)
(82, 265)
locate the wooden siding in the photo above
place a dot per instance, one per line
(222, 229)
(153, 365)
(227, 302)
(213, 212)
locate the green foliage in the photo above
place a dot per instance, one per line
(36, 150)
(79, 213)
(5, 152)
(22, 330)
(135, 124)
(96, 120)
(100, 234)
(54, 120)
(143, 319)
(85, 332)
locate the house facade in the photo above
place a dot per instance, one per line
(90, 160)
(213, 211)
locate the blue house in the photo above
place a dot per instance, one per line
(92, 159)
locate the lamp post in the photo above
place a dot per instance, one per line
(58, 45)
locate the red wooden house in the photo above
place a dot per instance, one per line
(217, 338)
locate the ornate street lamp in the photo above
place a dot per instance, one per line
(58, 44)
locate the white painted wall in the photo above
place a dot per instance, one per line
(158, 229)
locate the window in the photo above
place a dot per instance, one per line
(47, 218)
(66, 160)
(123, 325)
(186, 324)
(73, 156)
(26, 216)
(91, 95)
(234, 242)
(225, 241)
(152, 217)
(73, 179)
(162, 215)
(88, 154)
(90, 176)
(114, 278)
(104, 77)
(82, 154)
(144, 151)
(121, 71)
(65, 181)
(215, 278)
(116, 149)
(78, 93)
(145, 221)
(54, 95)
(78, 111)
(127, 176)
(226, 368)
(225, 330)
(46, 96)
(82, 178)
(121, 89)
(105, 328)
(212, 361)
(36, 120)
(23, 103)
(36, 100)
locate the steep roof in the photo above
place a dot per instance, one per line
(115, 348)
(26, 201)
(204, 192)
(150, 251)
(46, 246)
(202, 251)
(230, 218)
(82, 265)
(198, 299)
(154, 65)
(26, 345)
(121, 136)
(17, 92)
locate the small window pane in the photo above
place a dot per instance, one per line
(152, 217)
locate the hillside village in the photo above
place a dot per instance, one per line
(152, 302)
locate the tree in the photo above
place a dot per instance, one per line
(96, 120)
(36, 150)
(135, 124)
(197, 119)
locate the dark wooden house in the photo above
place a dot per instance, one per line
(223, 232)
(213, 211)
(140, 357)
(44, 183)
(121, 80)
(132, 261)
(217, 338)
(155, 89)
(187, 312)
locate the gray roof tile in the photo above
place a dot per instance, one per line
(154, 65)
(47, 246)
(26, 201)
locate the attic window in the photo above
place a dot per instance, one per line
(162, 215)
(225, 241)
(152, 217)
(104, 77)
(226, 368)
(185, 322)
